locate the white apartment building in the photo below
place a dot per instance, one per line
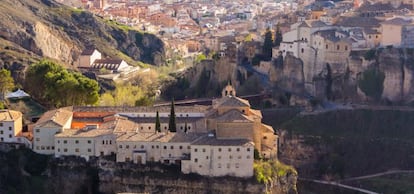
(167, 148)
(85, 143)
(44, 130)
(218, 157)
(10, 125)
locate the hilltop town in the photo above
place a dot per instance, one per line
(211, 89)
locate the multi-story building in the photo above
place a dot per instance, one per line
(10, 125)
(211, 156)
(45, 129)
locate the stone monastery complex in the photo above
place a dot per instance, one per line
(216, 140)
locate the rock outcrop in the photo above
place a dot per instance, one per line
(23, 171)
(31, 30)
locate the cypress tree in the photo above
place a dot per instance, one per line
(157, 123)
(278, 36)
(267, 45)
(171, 125)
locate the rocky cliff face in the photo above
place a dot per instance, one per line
(23, 171)
(154, 178)
(339, 81)
(30, 30)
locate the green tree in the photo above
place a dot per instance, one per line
(157, 123)
(267, 45)
(171, 124)
(50, 83)
(372, 83)
(278, 36)
(6, 82)
(35, 81)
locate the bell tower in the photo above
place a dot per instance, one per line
(228, 91)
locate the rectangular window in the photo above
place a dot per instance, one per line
(127, 146)
(76, 141)
(195, 150)
(89, 150)
(89, 141)
(172, 147)
(1, 132)
(37, 139)
(10, 136)
(195, 160)
(53, 147)
(65, 150)
(77, 150)
(10, 128)
(37, 130)
(1, 124)
(65, 142)
(58, 150)
(204, 150)
(238, 149)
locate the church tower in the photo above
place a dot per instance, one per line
(228, 91)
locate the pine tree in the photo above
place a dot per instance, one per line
(6, 82)
(267, 45)
(278, 36)
(157, 123)
(171, 125)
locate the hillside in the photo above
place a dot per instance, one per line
(345, 143)
(30, 30)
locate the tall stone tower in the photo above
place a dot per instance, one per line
(228, 91)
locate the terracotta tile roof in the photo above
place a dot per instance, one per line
(233, 101)
(165, 119)
(159, 137)
(366, 7)
(88, 52)
(311, 23)
(358, 22)
(257, 113)
(141, 109)
(84, 133)
(233, 116)
(213, 141)
(397, 21)
(9, 115)
(58, 116)
(268, 128)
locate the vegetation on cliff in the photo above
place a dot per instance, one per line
(372, 83)
(53, 85)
